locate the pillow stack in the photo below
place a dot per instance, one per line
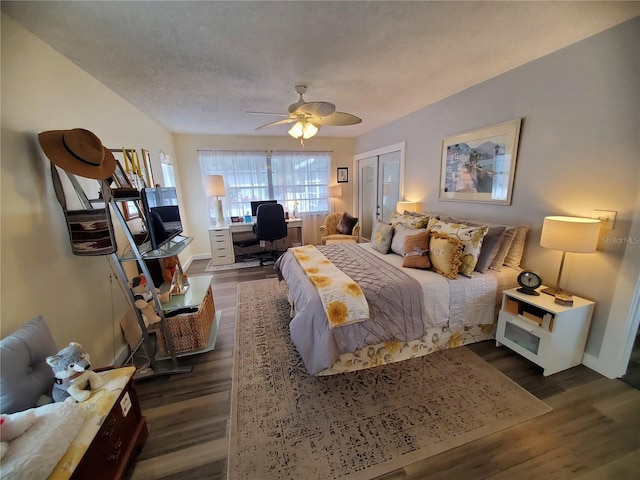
(450, 246)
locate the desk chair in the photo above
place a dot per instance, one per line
(245, 240)
(270, 226)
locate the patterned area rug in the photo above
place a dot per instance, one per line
(287, 424)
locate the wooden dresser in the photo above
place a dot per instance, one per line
(112, 435)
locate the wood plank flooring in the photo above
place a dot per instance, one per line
(593, 432)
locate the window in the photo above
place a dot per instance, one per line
(295, 179)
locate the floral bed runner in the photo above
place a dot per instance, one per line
(342, 298)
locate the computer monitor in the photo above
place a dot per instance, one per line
(256, 203)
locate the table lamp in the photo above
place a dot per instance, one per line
(569, 234)
(406, 205)
(215, 188)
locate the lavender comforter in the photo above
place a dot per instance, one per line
(395, 306)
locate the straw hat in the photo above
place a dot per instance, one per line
(78, 151)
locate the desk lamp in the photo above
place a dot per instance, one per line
(215, 188)
(569, 234)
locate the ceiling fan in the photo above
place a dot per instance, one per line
(308, 117)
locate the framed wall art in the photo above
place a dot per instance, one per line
(479, 166)
(120, 177)
(343, 175)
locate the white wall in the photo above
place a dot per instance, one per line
(193, 188)
(578, 151)
(42, 90)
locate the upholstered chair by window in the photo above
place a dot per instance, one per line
(339, 226)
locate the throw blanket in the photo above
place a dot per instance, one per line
(342, 299)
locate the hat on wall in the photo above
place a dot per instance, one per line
(78, 151)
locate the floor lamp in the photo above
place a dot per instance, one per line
(335, 192)
(215, 188)
(569, 234)
(406, 205)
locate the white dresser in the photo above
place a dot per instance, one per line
(221, 245)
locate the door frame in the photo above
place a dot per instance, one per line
(375, 153)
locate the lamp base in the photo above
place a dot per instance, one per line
(219, 213)
(555, 291)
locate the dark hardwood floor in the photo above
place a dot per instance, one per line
(592, 433)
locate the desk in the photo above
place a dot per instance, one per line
(221, 238)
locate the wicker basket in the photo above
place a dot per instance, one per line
(190, 331)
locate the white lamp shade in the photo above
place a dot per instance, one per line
(404, 205)
(335, 191)
(570, 234)
(215, 186)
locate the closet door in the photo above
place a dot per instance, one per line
(367, 198)
(389, 184)
(379, 186)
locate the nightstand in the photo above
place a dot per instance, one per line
(550, 335)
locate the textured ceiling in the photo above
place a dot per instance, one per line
(198, 67)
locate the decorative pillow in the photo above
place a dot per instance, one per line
(410, 220)
(503, 250)
(490, 244)
(346, 225)
(416, 251)
(24, 372)
(471, 237)
(399, 235)
(445, 253)
(514, 257)
(381, 237)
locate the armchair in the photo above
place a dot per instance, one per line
(335, 223)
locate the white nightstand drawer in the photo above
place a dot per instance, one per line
(542, 331)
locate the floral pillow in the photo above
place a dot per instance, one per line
(409, 220)
(416, 251)
(445, 253)
(381, 237)
(470, 236)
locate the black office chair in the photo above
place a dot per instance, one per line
(270, 226)
(242, 241)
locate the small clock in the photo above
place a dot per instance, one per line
(528, 282)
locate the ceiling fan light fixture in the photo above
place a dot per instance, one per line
(303, 130)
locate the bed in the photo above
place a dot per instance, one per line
(453, 311)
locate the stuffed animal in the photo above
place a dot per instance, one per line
(169, 266)
(143, 299)
(73, 374)
(12, 426)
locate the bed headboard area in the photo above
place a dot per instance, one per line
(454, 246)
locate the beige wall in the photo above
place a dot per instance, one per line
(192, 185)
(578, 151)
(42, 90)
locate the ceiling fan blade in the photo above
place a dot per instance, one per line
(270, 113)
(338, 119)
(277, 122)
(316, 109)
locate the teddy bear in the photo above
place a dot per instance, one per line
(143, 299)
(169, 267)
(12, 426)
(73, 375)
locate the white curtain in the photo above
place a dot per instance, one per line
(297, 180)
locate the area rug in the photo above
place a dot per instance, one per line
(287, 424)
(233, 266)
